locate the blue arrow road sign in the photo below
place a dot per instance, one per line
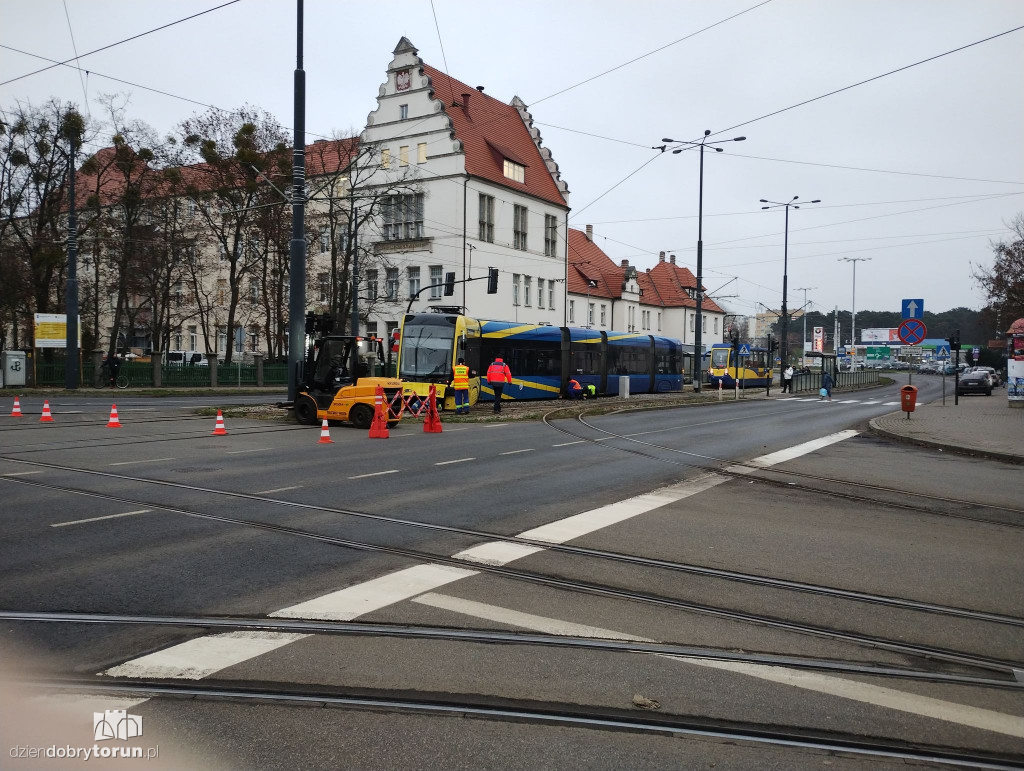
(913, 309)
(942, 352)
(744, 350)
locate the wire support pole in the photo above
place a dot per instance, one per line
(297, 247)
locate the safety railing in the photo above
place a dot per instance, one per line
(842, 380)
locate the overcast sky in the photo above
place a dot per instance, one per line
(952, 127)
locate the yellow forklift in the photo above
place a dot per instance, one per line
(336, 379)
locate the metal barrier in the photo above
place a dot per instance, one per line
(843, 381)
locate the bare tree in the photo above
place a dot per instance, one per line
(1004, 281)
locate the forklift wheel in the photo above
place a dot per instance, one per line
(305, 410)
(361, 416)
(392, 423)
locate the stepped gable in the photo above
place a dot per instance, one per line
(545, 153)
(491, 131)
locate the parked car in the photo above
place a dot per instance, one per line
(993, 373)
(974, 383)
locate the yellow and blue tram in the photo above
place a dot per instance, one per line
(745, 364)
(542, 358)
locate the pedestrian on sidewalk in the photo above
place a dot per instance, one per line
(497, 375)
(826, 386)
(787, 379)
(460, 385)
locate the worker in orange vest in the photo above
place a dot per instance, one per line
(460, 384)
(497, 375)
(575, 389)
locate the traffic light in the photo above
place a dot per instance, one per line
(773, 345)
(449, 284)
(492, 281)
(954, 341)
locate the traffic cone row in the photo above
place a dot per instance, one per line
(218, 429)
(46, 416)
(113, 422)
(379, 426)
(432, 423)
(16, 412)
(325, 434)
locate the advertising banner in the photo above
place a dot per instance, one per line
(819, 339)
(879, 336)
(51, 330)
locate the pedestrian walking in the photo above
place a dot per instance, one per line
(497, 375)
(460, 384)
(826, 386)
(787, 379)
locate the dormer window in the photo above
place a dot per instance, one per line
(515, 171)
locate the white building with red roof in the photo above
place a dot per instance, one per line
(657, 301)
(483, 192)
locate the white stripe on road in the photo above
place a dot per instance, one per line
(850, 401)
(375, 474)
(130, 462)
(277, 490)
(21, 473)
(890, 404)
(566, 444)
(203, 656)
(354, 601)
(879, 696)
(97, 519)
(447, 462)
(774, 458)
(516, 452)
(497, 552)
(256, 449)
(874, 402)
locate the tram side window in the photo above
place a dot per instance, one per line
(667, 360)
(757, 360)
(585, 361)
(537, 359)
(628, 360)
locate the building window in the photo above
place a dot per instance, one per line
(254, 289)
(703, 323)
(193, 338)
(551, 294)
(323, 284)
(325, 240)
(222, 291)
(602, 314)
(515, 171)
(590, 315)
(435, 279)
(519, 227)
(390, 327)
(540, 293)
(414, 281)
(392, 283)
(572, 311)
(371, 328)
(421, 152)
(403, 217)
(527, 281)
(222, 255)
(385, 158)
(550, 235)
(716, 325)
(403, 112)
(659, 321)
(691, 323)
(222, 339)
(487, 218)
(403, 155)
(515, 289)
(371, 284)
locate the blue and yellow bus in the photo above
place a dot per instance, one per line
(542, 358)
(727, 366)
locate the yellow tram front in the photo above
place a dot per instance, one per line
(429, 345)
(741, 364)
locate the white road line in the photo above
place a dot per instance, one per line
(277, 490)
(874, 402)
(130, 462)
(774, 458)
(257, 449)
(447, 462)
(203, 656)
(354, 601)
(566, 444)
(97, 519)
(494, 425)
(890, 404)
(516, 452)
(497, 552)
(139, 409)
(375, 474)
(850, 401)
(879, 696)
(21, 473)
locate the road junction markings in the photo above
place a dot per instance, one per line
(204, 656)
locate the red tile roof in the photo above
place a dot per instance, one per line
(491, 131)
(663, 285)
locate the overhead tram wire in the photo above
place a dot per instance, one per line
(122, 41)
(74, 47)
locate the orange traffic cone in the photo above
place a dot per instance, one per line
(113, 422)
(432, 423)
(219, 429)
(379, 426)
(16, 412)
(47, 417)
(325, 434)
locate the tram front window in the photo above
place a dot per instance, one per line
(719, 358)
(426, 352)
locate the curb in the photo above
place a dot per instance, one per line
(959, 449)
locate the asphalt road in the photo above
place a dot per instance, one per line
(161, 518)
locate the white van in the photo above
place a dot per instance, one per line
(181, 358)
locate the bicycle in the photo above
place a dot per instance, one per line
(102, 379)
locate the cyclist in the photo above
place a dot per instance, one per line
(113, 366)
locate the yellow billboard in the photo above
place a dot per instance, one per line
(51, 330)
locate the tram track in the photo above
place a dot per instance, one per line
(523, 711)
(1004, 667)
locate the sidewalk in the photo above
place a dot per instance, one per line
(981, 425)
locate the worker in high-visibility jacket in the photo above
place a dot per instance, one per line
(460, 384)
(497, 375)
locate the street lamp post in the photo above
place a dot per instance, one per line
(701, 145)
(853, 301)
(803, 340)
(784, 347)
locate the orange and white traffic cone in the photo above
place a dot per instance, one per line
(325, 434)
(47, 417)
(219, 430)
(16, 412)
(113, 422)
(432, 423)
(379, 426)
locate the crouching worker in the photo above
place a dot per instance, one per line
(575, 389)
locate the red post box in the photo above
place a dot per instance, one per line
(908, 399)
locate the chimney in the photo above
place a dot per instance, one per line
(672, 259)
(625, 263)
(465, 104)
(661, 256)
(590, 232)
(480, 89)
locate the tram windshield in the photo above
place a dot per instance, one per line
(720, 357)
(426, 350)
